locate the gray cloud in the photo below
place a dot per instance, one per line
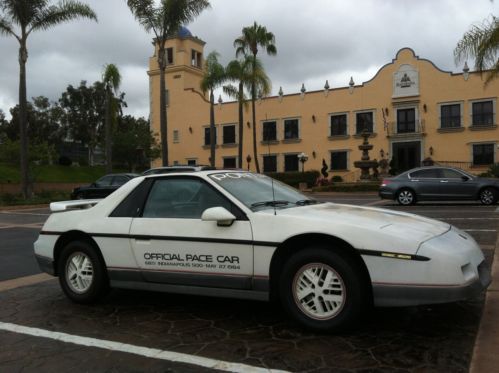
(316, 40)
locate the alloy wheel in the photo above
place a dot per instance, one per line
(79, 272)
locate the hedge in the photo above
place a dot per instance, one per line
(295, 178)
(349, 187)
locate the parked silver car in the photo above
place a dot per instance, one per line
(439, 183)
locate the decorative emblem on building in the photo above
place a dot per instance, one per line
(405, 82)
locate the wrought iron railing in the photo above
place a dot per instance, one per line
(404, 128)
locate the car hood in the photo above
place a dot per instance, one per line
(403, 225)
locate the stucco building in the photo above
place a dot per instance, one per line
(413, 109)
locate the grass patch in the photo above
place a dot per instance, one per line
(55, 173)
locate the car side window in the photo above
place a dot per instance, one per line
(426, 174)
(119, 180)
(451, 174)
(182, 198)
(104, 181)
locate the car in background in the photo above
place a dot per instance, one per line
(176, 168)
(102, 187)
(437, 183)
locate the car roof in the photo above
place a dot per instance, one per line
(176, 168)
(430, 168)
(195, 172)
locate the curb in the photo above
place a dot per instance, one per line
(24, 207)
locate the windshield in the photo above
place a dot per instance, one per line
(256, 191)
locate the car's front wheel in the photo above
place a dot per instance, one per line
(321, 290)
(82, 273)
(406, 197)
(488, 196)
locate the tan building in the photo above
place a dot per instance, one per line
(413, 110)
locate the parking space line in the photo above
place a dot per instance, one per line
(479, 230)
(24, 281)
(154, 353)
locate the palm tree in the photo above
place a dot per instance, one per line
(164, 21)
(213, 77)
(241, 71)
(247, 44)
(112, 80)
(19, 18)
(481, 43)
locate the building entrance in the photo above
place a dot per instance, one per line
(406, 155)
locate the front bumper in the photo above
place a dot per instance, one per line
(396, 295)
(46, 264)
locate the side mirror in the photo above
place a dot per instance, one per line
(223, 217)
(464, 178)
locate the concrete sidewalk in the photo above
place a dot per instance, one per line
(486, 351)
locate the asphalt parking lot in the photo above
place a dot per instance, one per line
(143, 331)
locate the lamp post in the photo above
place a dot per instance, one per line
(302, 157)
(248, 160)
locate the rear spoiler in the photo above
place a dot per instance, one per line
(73, 205)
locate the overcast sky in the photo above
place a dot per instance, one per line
(316, 40)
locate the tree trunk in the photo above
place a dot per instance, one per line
(163, 124)
(109, 160)
(255, 152)
(23, 121)
(212, 129)
(241, 127)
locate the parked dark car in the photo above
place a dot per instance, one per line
(177, 168)
(102, 187)
(439, 183)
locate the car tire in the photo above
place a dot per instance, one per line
(488, 196)
(406, 197)
(82, 273)
(308, 270)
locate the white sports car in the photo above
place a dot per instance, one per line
(244, 235)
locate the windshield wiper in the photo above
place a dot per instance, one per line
(303, 202)
(270, 203)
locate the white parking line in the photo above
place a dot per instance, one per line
(479, 230)
(154, 353)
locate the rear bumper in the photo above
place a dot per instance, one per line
(45, 264)
(396, 295)
(386, 194)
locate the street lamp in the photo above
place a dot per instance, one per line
(248, 160)
(302, 157)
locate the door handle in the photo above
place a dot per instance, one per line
(444, 181)
(414, 180)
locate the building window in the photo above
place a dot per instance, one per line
(406, 120)
(229, 134)
(176, 136)
(207, 136)
(483, 154)
(269, 131)
(169, 56)
(290, 162)
(338, 125)
(450, 116)
(196, 59)
(230, 162)
(364, 121)
(291, 129)
(191, 162)
(270, 163)
(483, 113)
(339, 161)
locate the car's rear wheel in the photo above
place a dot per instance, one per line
(406, 197)
(321, 290)
(488, 196)
(82, 273)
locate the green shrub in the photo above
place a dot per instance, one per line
(493, 170)
(336, 179)
(295, 178)
(65, 161)
(349, 187)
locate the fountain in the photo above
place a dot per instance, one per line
(365, 163)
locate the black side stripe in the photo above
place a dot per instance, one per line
(174, 238)
(393, 255)
(383, 254)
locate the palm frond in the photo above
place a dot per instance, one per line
(146, 14)
(6, 28)
(111, 76)
(214, 73)
(180, 12)
(252, 37)
(65, 11)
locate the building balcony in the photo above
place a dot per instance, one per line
(406, 129)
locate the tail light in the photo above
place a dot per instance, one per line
(385, 182)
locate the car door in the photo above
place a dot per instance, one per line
(455, 185)
(101, 188)
(173, 245)
(426, 183)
